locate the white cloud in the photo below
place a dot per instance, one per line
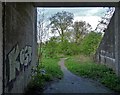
(93, 11)
(92, 20)
(86, 11)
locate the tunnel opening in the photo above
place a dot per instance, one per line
(50, 45)
(20, 54)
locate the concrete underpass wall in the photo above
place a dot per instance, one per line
(117, 40)
(20, 45)
(1, 51)
(109, 49)
(106, 51)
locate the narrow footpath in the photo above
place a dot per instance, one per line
(71, 83)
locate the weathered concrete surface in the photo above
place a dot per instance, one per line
(117, 40)
(74, 84)
(109, 49)
(106, 50)
(20, 45)
(1, 48)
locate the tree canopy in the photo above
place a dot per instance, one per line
(81, 28)
(60, 22)
(74, 38)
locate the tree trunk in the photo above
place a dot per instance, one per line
(62, 36)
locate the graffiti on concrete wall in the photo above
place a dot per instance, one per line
(18, 60)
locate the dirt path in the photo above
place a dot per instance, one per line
(71, 83)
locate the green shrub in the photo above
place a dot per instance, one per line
(90, 43)
(52, 71)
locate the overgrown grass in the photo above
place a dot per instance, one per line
(51, 71)
(52, 68)
(87, 68)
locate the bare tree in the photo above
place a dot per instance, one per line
(42, 30)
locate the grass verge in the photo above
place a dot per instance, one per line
(87, 68)
(52, 68)
(51, 71)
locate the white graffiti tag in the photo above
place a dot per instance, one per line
(12, 62)
(25, 57)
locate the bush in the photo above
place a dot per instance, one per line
(39, 80)
(90, 43)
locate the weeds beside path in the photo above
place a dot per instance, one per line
(51, 71)
(85, 67)
(71, 83)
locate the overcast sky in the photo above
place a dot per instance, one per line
(91, 15)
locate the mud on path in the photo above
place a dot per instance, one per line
(71, 83)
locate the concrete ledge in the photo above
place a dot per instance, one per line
(110, 62)
(111, 59)
(75, 4)
(60, 0)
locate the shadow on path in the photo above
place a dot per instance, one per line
(71, 83)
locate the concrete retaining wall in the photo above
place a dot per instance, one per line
(106, 50)
(109, 49)
(1, 49)
(117, 40)
(20, 45)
